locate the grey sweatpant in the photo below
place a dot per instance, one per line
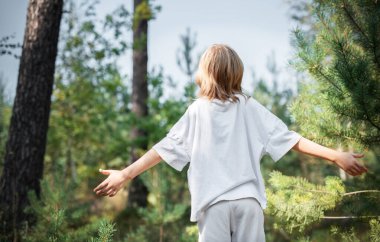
(240, 220)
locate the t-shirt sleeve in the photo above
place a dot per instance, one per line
(276, 137)
(173, 148)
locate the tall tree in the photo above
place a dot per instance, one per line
(143, 12)
(25, 148)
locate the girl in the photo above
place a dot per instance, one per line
(223, 135)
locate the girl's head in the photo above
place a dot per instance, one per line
(220, 73)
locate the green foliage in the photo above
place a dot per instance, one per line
(5, 114)
(348, 235)
(338, 106)
(159, 223)
(105, 232)
(191, 234)
(312, 107)
(375, 230)
(343, 59)
(89, 121)
(167, 215)
(145, 11)
(277, 98)
(60, 216)
(303, 239)
(298, 203)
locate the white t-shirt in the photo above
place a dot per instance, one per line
(224, 143)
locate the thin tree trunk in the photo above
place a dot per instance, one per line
(138, 192)
(25, 148)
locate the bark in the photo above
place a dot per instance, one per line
(138, 192)
(25, 148)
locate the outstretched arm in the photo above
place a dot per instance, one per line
(116, 179)
(345, 160)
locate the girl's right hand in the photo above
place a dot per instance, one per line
(112, 184)
(348, 162)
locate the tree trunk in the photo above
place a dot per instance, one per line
(25, 148)
(138, 192)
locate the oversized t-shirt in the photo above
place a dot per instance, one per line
(223, 142)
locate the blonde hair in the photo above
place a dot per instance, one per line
(220, 73)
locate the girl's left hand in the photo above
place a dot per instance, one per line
(348, 162)
(112, 184)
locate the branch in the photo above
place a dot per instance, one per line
(357, 192)
(333, 193)
(358, 28)
(328, 80)
(349, 217)
(362, 101)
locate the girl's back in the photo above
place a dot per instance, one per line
(224, 142)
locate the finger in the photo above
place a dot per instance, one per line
(360, 167)
(105, 190)
(355, 166)
(358, 170)
(358, 155)
(100, 193)
(355, 170)
(363, 167)
(113, 194)
(109, 192)
(350, 172)
(103, 193)
(101, 185)
(104, 172)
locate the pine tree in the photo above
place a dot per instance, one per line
(60, 217)
(338, 106)
(344, 59)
